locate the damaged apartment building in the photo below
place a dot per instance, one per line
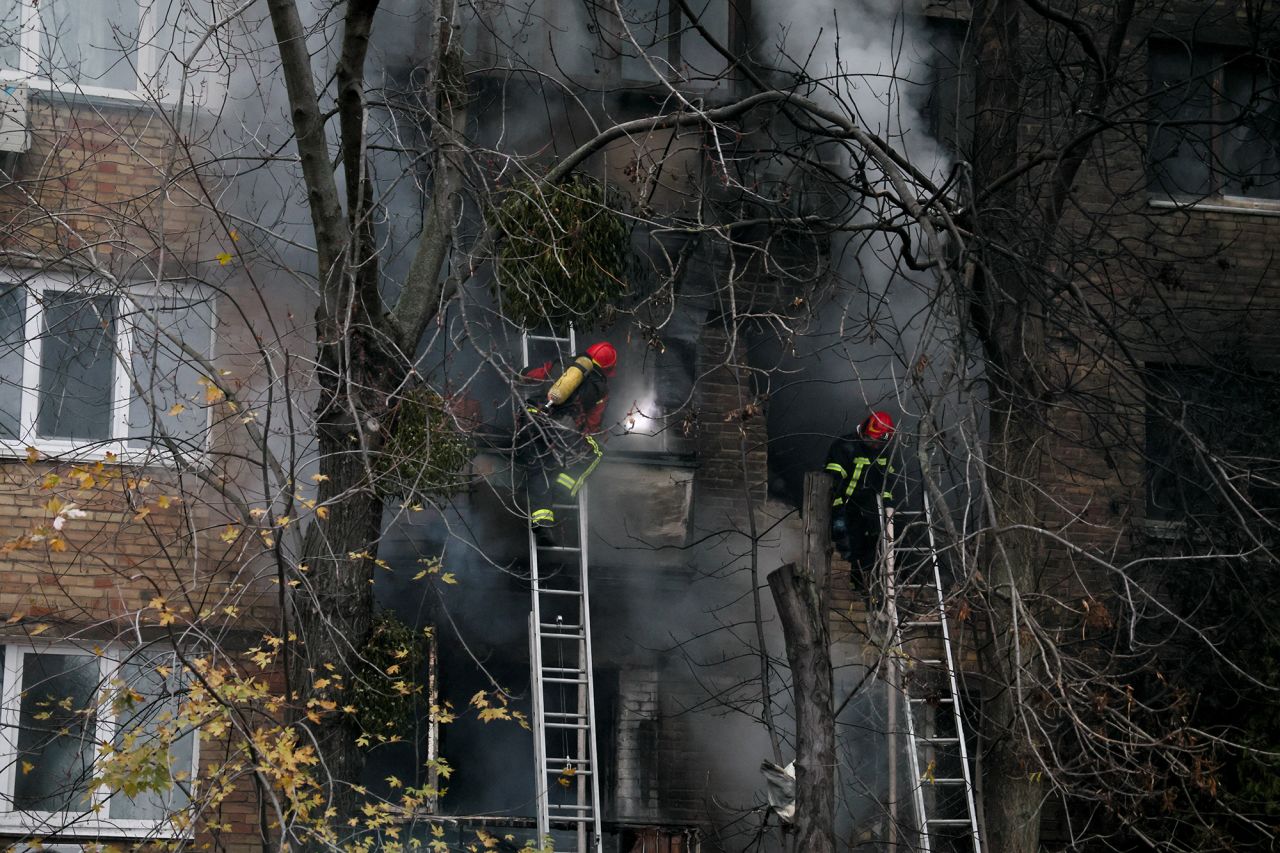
(159, 457)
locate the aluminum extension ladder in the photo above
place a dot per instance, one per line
(567, 783)
(942, 792)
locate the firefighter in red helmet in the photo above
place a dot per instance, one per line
(860, 463)
(556, 439)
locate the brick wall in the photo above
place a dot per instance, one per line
(731, 441)
(105, 175)
(101, 174)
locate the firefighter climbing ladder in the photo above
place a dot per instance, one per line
(564, 715)
(941, 781)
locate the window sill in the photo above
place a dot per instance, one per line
(51, 92)
(104, 451)
(1164, 530)
(1220, 204)
(655, 458)
(55, 826)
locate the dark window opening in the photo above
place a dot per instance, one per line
(1215, 122)
(1210, 439)
(948, 102)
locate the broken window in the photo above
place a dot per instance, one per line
(1214, 126)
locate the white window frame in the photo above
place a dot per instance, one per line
(91, 823)
(148, 58)
(117, 445)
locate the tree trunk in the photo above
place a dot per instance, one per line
(801, 601)
(1008, 319)
(1012, 784)
(332, 607)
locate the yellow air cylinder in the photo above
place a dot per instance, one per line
(570, 380)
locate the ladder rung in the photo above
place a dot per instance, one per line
(561, 670)
(564, 715)
(559, 771)
(542, 591)
(941, 700)
(566, 818)
(548, 338)
(566, 725)
(570, 806)
(567, 760)
(564, 680)
(559, 626)
(912, 549)
(938, 741)
(948, 821)
(552, 635)
(573, 507)
(922, 623)
(945, 780)
(559, 548)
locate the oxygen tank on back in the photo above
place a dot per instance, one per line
(570, 380)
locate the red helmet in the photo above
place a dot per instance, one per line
(878, 426)
(604, 355)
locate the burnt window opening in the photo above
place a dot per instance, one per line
(631, 42)
(948, 99)
(1214, 124)
(1211, 439)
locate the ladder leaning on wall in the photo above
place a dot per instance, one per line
(567, 782)
(942, 792)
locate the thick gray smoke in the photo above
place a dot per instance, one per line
(678, 612)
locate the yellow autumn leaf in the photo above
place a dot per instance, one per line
(235, 236)
(57, 545)
(33, 455)
(37, 630)
(164, 501)
(224, 258)
(319, 478)
(50, 481)
(448, 577)
(212, 394)
(176, 409)
(322, 512)
(230, 533)
(142, 513)
(27, 767)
